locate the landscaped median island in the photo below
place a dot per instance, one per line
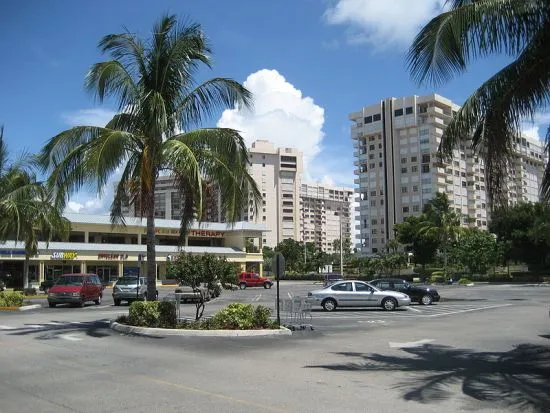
(158, 318)
(15, 301)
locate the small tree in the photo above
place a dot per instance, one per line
(477, 250)
(197, 271)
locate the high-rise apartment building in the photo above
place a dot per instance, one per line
(325, 215)
(398, 170)
(277, 173)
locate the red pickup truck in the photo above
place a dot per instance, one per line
(252, 279)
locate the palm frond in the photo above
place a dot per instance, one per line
(112, 79)
(445, 46)
(492, 114)
(127, 49)
(211, 96)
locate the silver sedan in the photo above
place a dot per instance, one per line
(356, 294)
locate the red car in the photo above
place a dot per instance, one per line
(252, 279)
(76, 289)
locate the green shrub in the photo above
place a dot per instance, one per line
(167, 314)
(464, 281)
(161, 314)
(29, 291)
(262, 317)
(235, 316)
(437, 277)
(122, 319)
(11, 299)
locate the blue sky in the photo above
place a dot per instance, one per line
(309, 63)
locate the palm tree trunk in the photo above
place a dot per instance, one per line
(151, 253)
(26, 271)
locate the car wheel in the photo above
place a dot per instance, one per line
(389, 304)
(51, 305)
(81, 302)
(98, 301)
(117, 302)
(267, 285)
(329, 304)
(242, 286)
(426, 299)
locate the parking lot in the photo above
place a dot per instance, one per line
(484, 348)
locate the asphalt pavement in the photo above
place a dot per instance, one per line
(482, 348)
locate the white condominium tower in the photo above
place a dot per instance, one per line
(397, 168)
(325, 215)
(277, 173)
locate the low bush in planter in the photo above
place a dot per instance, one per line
(464, 281)
(161, 314)
(11, 299)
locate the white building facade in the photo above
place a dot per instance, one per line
(325, 215)
(397, 170)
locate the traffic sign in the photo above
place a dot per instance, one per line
(278, 264)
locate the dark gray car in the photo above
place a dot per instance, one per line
(125, 290)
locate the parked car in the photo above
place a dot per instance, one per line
(356, 294)
(125, 289)
(188, 294)
(331, 278)
(252, 279)
(76, 289)
(418, 293)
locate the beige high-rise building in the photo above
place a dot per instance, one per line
(277, 172)
(325, 215)
(396, 142)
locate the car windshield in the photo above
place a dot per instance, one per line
(70, 280)
(129, 281)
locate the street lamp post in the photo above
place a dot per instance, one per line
(341, 248)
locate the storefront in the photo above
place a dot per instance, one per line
(127, 257)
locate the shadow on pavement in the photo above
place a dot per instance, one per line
(56, 329)
(518, 378)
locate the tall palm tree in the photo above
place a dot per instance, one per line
(27, 211)
(491, 116)
(160, 104)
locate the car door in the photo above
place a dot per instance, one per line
(364, 294)
(98, 286)
(344, 294)
(256, 280)
(87, 287)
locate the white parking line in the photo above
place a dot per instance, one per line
(7, 328)
(467, 310)
(413, 309)
(70, 337)
(98, 307)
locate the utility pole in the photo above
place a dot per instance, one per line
(341, 247)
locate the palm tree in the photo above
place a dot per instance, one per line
(160, 104)
(491, 116)
(446, 228)
(27, 211)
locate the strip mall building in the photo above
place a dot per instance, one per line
(95, 246)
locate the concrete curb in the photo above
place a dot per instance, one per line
(30, 307)
(22, 308)
(166, 332)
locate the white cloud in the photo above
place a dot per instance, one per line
(383, 24)
(281, 115)
(89, 117)
(537, 127)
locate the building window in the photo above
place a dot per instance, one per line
(403, 170)
(374, 231)
(380, 164)
(374, 221)
(372, 193)
(381, 192)
(376, 118)
(368, 119)
(288, 219)
(414, 159)
(414, 168)
(371, 147)
(415, 188)
(425, 158)
(405, 209)
(404, 189)
(263, 165)
(416, 208)
(403, 160)
(426, 190)
(409, 110)
(425, 168)
(398, 112)
(372, 202)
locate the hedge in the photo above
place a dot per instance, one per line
(11, 299)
